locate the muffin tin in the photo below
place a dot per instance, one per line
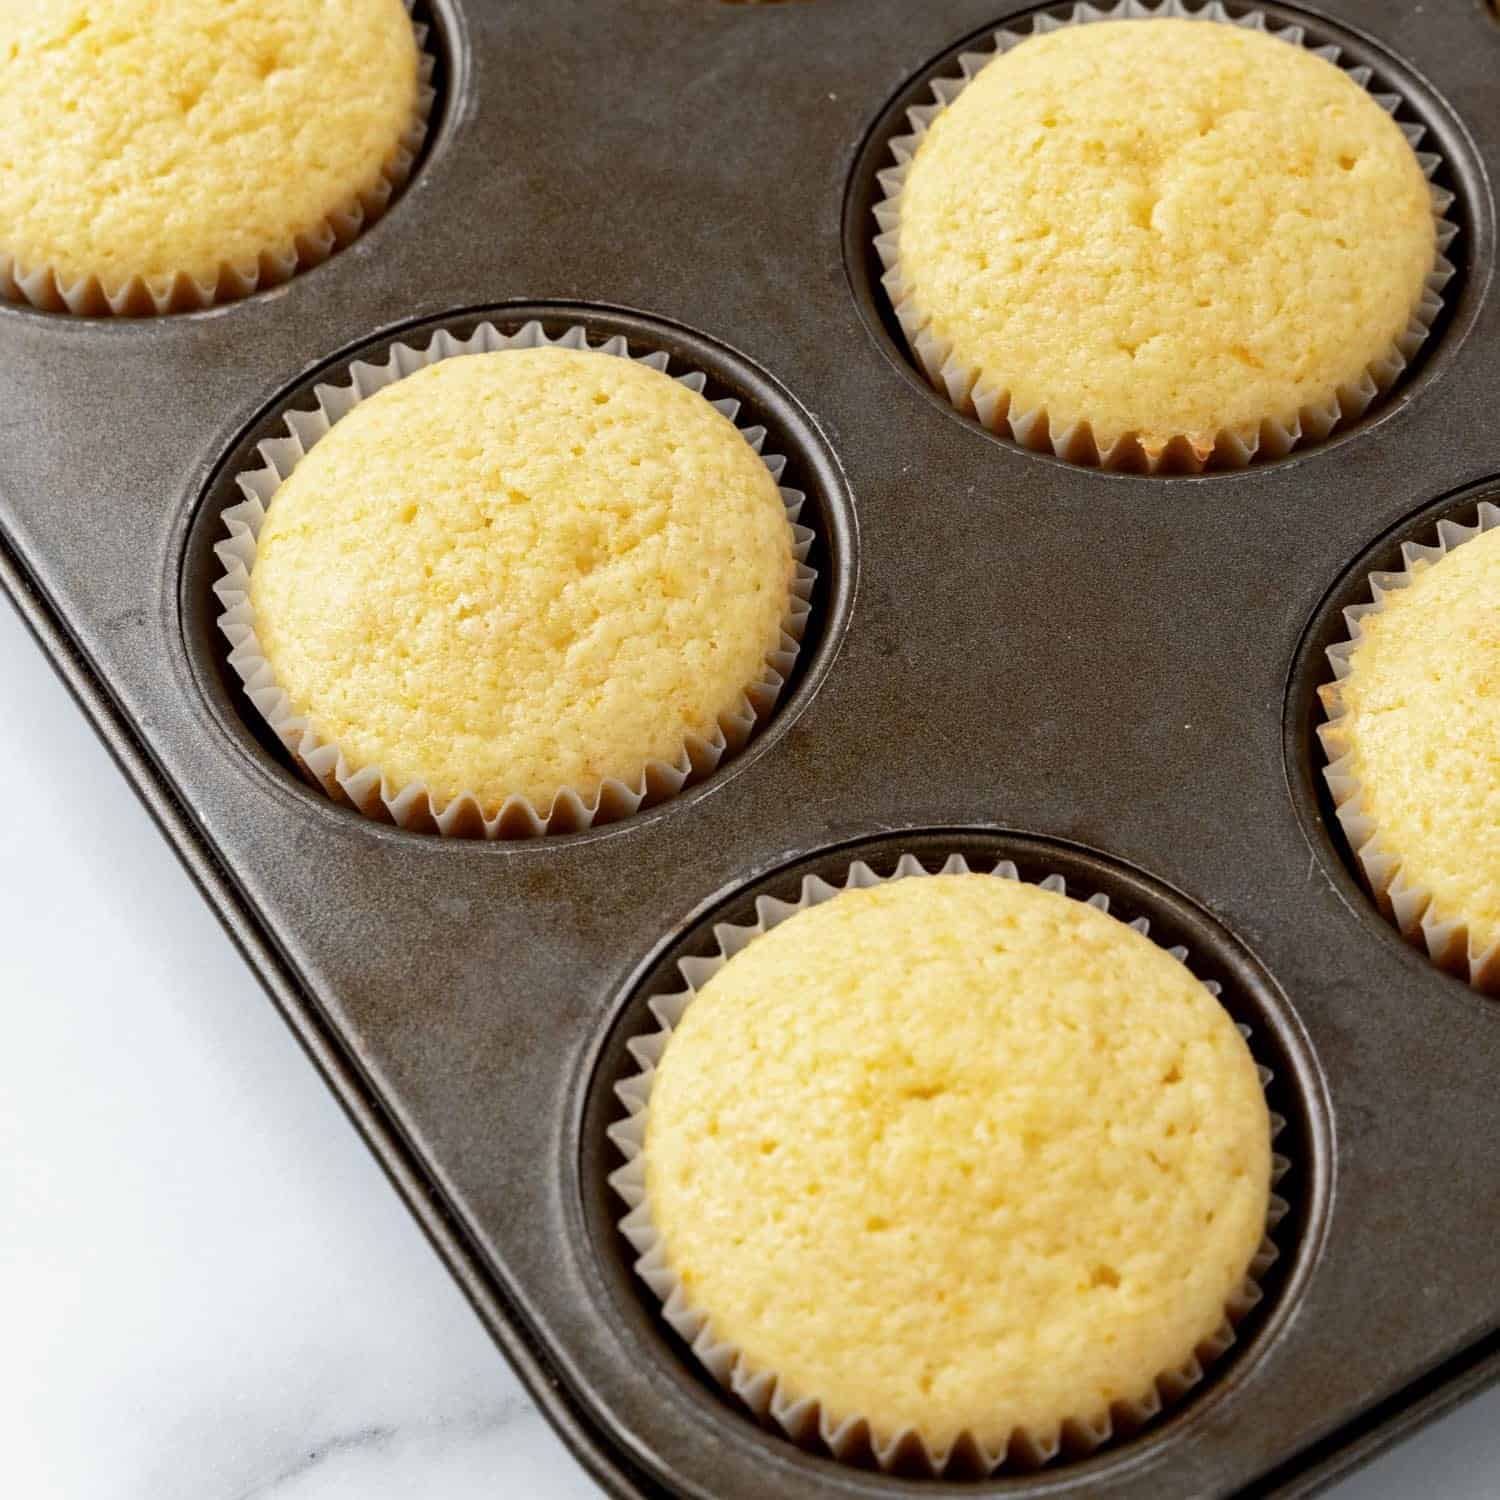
(1104, 675)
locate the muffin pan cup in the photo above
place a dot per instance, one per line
(851, 1435)
(44, 286)
(975, 395)
(1441, 932)
(1008, 657)
(412, 805)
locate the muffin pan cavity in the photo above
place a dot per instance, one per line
(1304, 712)
(763, 408)
(35, 291)
(1443, 147)
(1301, 1127)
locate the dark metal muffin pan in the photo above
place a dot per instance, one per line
(1107, 675)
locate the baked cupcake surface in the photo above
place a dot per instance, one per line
(1419, 715)
(958, 1156)
(156, 139)
(523, 572)
(1166, 228)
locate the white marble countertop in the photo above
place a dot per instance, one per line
(207, 1289)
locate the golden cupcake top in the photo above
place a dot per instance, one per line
(1166, 228)
(151, 138)
(1421, 719)
(522, 572)
(958, 1155)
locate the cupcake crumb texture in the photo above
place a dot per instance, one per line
(156, 138)
(958, 1155)
(523, 572)
(1421, 718)
(1165, 228)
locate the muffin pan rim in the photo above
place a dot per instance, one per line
(592, 1209)
(812, 459)
(1472, 251)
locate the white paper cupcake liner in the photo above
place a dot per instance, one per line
(850, 1436)
(991, 404)
(411, 805)
(1444, 936)
(44, 287)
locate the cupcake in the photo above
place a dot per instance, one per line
(1161, 244)
(516, 578)
(951, 1170)
(1414, 740)
(168, 154)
